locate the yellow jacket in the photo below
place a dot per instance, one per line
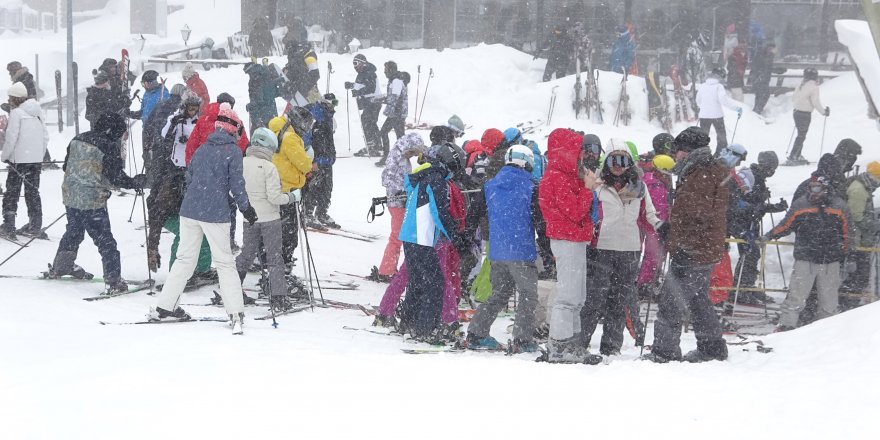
(291, 159)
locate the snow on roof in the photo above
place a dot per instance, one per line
(856, 35)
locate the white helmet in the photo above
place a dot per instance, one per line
(520, 155)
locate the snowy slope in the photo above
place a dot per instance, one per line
(856, 35)
(62, 375)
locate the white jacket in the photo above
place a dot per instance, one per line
(26, 135)
(263, 185)
(806, 98)
(620, 229)
(183, 129)
(711, 97)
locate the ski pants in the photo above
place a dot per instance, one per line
(686, 289)
(388, 266)
(370, 125)
(507, 277)
(762, 95)
(857, 281)
(396, 124)
(319, 188)
(264, 236)
(803, 275)
(802, 125)
(289, 229)
(571, 288)
(27, 174)
(191, 234)
(720, 132)
(654, 253)
(613, 287)
(746, 272)
(420, 312)
(556, 66)
(97, 223)
(447, 258)
(204, 262)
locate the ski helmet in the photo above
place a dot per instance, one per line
(690, 139)
(456, 124)
(663, 162)
(592, 145)
(768, 161)
(811, 74)
(662, 143)
(150, 76)
(301, 120)
(512, 136)
(263, 137)
(191, 101)
(732, 155)
(226, 97)
(521, 156)
(448, 155)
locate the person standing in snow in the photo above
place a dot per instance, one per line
(819, 221)
(154, 93)
(659, 186)
(695, 239)
(152, 133)
(92, 168)
(214, 172)
(512, 207)
(260, 38)
(367, 92)
(566, 199)
(19, 73)
(263, 88)
(711, 98)
(194, 83)
(623, 53)
(559, 50)
(23, 149)
(805, 99)
(301, 71)
(760, 76)
(863, 227)
(396, 107)
(319, 183)
(205, 124)
(736, 71)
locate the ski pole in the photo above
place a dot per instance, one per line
(790, 138)
(735, 126)
(779, 254)
(147, 238)
(822, 143)
(739, 277)
(32, 239)
(329, 72)
(418, 82)
(552, 102)
(425, 96)
(348, 118)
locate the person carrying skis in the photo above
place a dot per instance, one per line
(695, 239)
(566, 197)
(154, 93)
(624, 51)
(863, 227)
(301, 71)
(23, 150)
(92, 168)
(263, 88)
(367, 92)
(396, 107)
(804, 100)
(559, 49)
(819, 221)
(760, 76)
(711, 98)
(623, 203)
(511, 199)
(263, 186)
(214, 173)
(194, 83)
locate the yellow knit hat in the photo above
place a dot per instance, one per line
(874, 170)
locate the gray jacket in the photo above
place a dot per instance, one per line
(214, 172)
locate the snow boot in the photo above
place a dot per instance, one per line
(64, 265)
(160, 314)
(517, 346)
(474, 342)
(569, 351)
(280, 303)
(327, 221)
(236, 322)
(7, 230)
(708, 351)
(115, 287)
(29, 230)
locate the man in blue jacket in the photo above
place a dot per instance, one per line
(512, 204)
(624, 51)
(154, 93)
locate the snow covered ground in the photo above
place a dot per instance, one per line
(62, 375)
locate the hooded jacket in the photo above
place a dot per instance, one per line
(710, 99)
(205, 127)
(830, 168)
(860, 200)
(263, 184)
(26, 134)
(427, 213)
(565, 201)
(366, 86)
(177, 128)
(214, 172)
(25, 77)
(511, 203)
(397, 166)
(291, 159)
(821, 230)
(698, 218)
(197, 86)
(620, 212)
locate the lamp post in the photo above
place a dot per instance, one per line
(184, 33)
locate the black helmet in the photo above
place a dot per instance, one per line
(301, 120)
(690, 139)
(448, 155)
(150, 76)
(226, 97)
(662, 143)
(811, 74)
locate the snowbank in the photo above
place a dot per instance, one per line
(856, 35)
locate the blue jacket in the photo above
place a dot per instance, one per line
(511, 201)
(151, 100)
(214, 171)
(622, 54)
(427, 207)
(540, 161)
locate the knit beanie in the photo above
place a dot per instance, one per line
(17, 90)
(768, 160)
(188, 71)
(227, 120)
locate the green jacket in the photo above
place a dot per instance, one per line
(860, 201)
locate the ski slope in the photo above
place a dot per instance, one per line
(63, 375)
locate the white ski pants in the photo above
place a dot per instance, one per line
(571, 288)
(803, 275)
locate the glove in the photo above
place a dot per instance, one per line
(154, 260)
(782, 206)
(138, 182)
(827, 111)
(739, 111)
(349, 85)
(250, 215)
(663, 231)
(295, 196)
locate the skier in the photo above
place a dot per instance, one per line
(396, 107)
(319, 183)
(301, 71)
(565, 196)
(623, 203)
(93, 166)
(204, 127)
(695, 239)
(23, 150)
(194, 83)
(512, 206)
(154, 93)
(293, 163)
(263, 186)
(367, 91)
(804, 100)
(863, 227)
(260, 38)
(659, 185)
(214, 172)
(396, 167)
(710, 99)
(101, 98)
(152, 133)
(624, 51)
(819, 221)
(119, 86)
(736, 71)
(760, 75)
(559, 50)
(834, 167)
(263, 85)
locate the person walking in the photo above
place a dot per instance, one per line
(760, 76)
(805, 99)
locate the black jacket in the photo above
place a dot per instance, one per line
(822, 231)
(366, 77)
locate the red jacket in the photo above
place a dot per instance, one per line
(565, 201)
(197, 86)
(204, 127)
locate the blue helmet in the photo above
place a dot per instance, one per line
(512, 136)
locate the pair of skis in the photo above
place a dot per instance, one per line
(586, 94)
(622, 114)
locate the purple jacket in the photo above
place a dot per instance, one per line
(659, 193)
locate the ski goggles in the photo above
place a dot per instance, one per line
(594, 149)
(622, 161)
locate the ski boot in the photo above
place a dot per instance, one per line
(236, 322)
(314, 223)
(568, 351)
(64, 266)
(375, 276)
(115, 287)
(715, 350)
(33, 232)
(160, 314)
(385, 321)
(517, 346)
(327, 221)
(296, 289)
(280, 303)
(488, 343)
(8, 230)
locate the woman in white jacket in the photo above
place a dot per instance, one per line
(805, 99)
(623, 201)
(711, 100)
(23, 150)
(263, 186)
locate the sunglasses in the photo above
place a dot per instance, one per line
(619, 161)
